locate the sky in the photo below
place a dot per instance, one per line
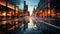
(31, 4)
(21, 6)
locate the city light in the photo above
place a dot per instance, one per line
(0, 13)
(4, 14)
(53, 14)
(49, 13)
(4, 22)
(58, 15)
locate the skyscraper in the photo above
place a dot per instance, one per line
(25, 7)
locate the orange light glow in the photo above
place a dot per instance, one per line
(53, 14)
(12, 13)
(4, 22)
(3, 3)
(9, 14)
(58, 15)
(49, 12)
(40, 11)
(45, 14)
(9, 5)
(4, 14)
(0, 13)
(16, 22)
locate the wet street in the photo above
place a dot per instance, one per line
(37, 26)
(32, 29)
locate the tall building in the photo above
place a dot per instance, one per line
(34, 10)
(25, 7)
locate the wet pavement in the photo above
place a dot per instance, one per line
(37, 26)
(32, 29)
(29, 30)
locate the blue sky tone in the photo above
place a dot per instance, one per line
(31, 4)
(21, 6)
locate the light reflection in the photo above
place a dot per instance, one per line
(30, 22)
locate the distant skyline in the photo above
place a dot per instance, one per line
(31, 4)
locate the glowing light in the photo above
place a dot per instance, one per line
(16, 22)
(41, 11)
(30, 9)
(12, 13)
(58, 15)
(49, 12)
(4, 14)
(0, 14)
(31, 22)
(4, 22)
(9, 5)
(53, 13)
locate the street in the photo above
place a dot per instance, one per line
(37, 26)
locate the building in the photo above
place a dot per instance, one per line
(34, 11)
(9, 10)
(25, 7)
(49, 8)
(42, 7)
